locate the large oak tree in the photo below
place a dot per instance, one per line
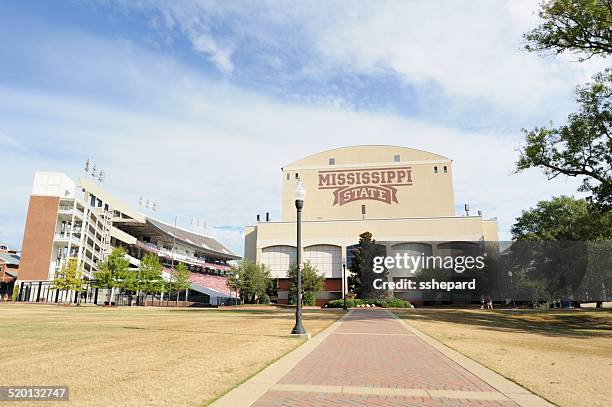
(583, 146)
(581, 27)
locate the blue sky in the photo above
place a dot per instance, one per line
(198, 104)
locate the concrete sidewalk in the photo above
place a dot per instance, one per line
(371, 357)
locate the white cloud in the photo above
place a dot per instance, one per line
(219, 157)
(221, 56)
(194, 20)
(472, 49)
(214, 151)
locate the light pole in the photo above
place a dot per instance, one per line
(299, 195)
(237, 285)
(511, 288)
(344, 288)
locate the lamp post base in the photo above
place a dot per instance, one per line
(298, 329)
(305, 335)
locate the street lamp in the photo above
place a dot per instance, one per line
(344, 288)
(299, 195)
(237, 279)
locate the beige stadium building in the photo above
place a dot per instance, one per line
(403, 196)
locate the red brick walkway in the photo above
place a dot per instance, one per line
(373, 359)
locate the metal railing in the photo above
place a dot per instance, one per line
(180, 257)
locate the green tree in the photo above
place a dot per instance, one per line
(70, 277)
(148, 276)
(362, 276)
(562, 219)
(111, 271)
(103, 278)
(233, 279)
(251, 280)
(181, 277)
(179, 280)
(555, 252)
(547, 269)
(598, 279)
(582, 27)
(582, 147)
(60, 282)
(15, 293)
(312, 284)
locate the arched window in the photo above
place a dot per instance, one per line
(278, 259)
(414, 250)
(326, 258)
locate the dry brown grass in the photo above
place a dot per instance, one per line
(564, 356)
(143, 356)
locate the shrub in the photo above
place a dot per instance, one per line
(309, 298)
(312, 283)
(350, 302)
(354, 302)
(397, 303)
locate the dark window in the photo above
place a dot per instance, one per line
(297, 175)
(332, 161)
(288, 176)
(435, 170)
(396, 158)
(445, 169)
(99, 203)
(92, 200)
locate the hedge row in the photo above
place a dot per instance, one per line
(354, 302)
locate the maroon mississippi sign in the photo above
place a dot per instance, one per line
(379, 184)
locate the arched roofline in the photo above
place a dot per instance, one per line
(297, 162)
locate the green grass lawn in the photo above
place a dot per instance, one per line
(143, 356)
(564, 356)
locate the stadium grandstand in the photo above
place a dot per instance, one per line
(81, 220)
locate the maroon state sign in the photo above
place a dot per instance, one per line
(379, 184)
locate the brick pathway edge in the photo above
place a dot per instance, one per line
(248, 392)
(268, 379)
(513, 391)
